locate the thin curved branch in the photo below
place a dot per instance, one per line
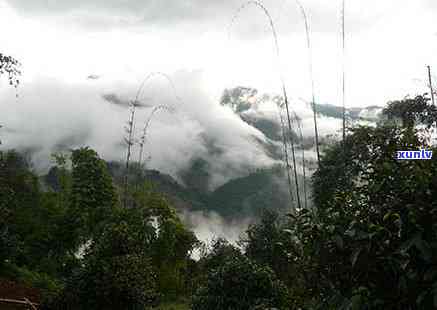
(284, 91)
(131, 122)
(311, 71)
(299, 126)
(152, 75)
(287, 162)
(146, 127)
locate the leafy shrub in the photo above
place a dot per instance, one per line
(239, 283)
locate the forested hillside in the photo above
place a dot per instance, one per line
(218, 155)
(367, 243)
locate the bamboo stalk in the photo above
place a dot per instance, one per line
(131, 122)
(146, 127)
(311, 71)
(343, 37)
(129, 141)
(287, 163)
(430, 85)
(284, 91)
(293, 153)
(299, 126)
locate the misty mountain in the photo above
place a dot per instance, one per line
(370, 113)
(190, 188)
(197, 175)
(248, 188)
(249, 195)
(246, 103)
(239, 198)
(269, 128)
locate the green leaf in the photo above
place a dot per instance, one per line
(391, 215)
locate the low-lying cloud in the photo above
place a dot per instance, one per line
(51, 116)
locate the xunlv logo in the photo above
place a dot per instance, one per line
(406, 155)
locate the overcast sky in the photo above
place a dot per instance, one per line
(117, 42)
(389, 42)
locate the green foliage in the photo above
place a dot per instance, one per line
(171, 249)
(178, 195)
(220, 252)
(19, 200)
(59, 177)
(412, 111)
(128, 262)
(265, 243)
(372, 243)
(10, 180)
(117, 272)
(171, 254)
(35, 245)
(239, 283)
(250, 195)
(93, 195)
(239, 198)
(137, 258)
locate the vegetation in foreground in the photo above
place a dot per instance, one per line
(369, 242)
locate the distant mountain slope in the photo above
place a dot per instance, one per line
(180, 196)
(248, 196)
(238, 198)
(367, 113)
(245, 102)
(196, 176)
(243, 196)
(269, 128)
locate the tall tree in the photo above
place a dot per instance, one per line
(373, 243)
(93, 195)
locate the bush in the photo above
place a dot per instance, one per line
(240, 284)
(116, 273)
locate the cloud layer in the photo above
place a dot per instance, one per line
(50, 116)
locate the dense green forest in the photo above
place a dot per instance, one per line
(369, 241)
(238, 198)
